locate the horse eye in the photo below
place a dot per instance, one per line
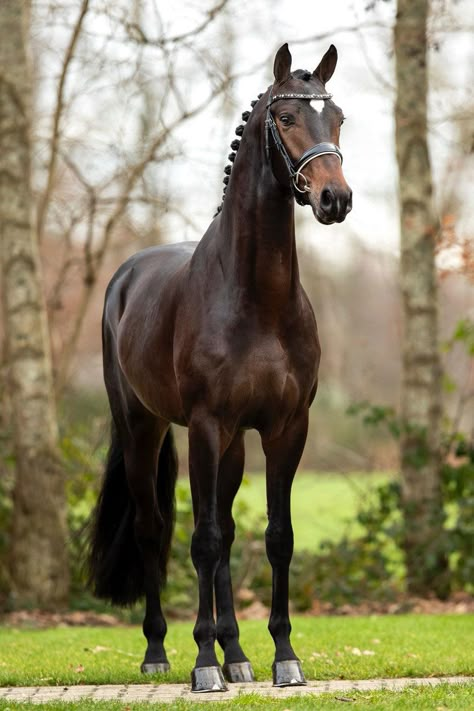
(342, 120)
(285, 120)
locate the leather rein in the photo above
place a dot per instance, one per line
(320, 149)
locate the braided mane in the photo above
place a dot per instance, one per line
(235, 147)
(303, 74)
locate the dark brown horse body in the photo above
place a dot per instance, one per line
(220, 337)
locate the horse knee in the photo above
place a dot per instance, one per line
(279, 544)
(206, 546)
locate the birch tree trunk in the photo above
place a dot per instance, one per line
(421, 389)
(38, 567)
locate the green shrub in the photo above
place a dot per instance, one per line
(458, 489)
(382, 519)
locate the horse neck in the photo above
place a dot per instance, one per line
(256, 231)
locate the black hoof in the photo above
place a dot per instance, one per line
(207, 679)
(238, 672)
(154, 667)
(288, 673)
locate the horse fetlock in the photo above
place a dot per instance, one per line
(227, 632)
(155, 628)
(205, 633)
(279, 627)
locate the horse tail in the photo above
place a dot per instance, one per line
(116, 571)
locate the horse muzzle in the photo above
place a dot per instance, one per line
(333, 204)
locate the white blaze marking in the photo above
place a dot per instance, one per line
(318, 105)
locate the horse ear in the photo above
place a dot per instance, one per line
(282, 64)
(327, 65)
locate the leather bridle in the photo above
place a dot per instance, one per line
(320, 149)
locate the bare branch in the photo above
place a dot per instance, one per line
(137, 34)
(58, 112)
(338, 31)
(90, 276)
(93, 259)
(137, 170)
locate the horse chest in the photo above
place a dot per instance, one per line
(267, 378)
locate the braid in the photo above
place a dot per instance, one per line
(235, 147)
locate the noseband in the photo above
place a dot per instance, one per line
(320, 149)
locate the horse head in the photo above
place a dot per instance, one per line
(302, 136)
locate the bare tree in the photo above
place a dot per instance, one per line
(111, 184)
(421, 389)
(38, 564)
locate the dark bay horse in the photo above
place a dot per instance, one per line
(220, 337)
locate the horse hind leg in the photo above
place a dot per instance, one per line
(237, 667)
(151, 468)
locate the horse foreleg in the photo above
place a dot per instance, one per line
(237, 667)
(283, 455)
(206, 546)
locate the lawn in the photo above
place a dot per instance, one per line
(330, 648)
(441, 698)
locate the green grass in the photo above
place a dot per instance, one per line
(440, 698)
(324, 506)
(330, 648)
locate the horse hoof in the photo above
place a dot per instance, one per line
(238, 672)
(206, 679)
(288, 673)
(154, 667)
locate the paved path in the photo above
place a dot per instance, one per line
(173, 692)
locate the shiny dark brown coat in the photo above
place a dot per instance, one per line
(220, 337)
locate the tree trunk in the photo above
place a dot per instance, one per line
(421, 389)
(38, 564)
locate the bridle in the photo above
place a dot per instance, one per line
(320, 149)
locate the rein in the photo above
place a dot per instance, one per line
(320, 149)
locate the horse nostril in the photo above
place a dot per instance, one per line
(349, 203)
(327, 200)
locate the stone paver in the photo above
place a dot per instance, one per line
(173, 692)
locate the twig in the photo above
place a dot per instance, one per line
(136, 33)
(58, 112)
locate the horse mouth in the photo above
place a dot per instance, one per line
(325, 220)
(318, 212)
(322, 218)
